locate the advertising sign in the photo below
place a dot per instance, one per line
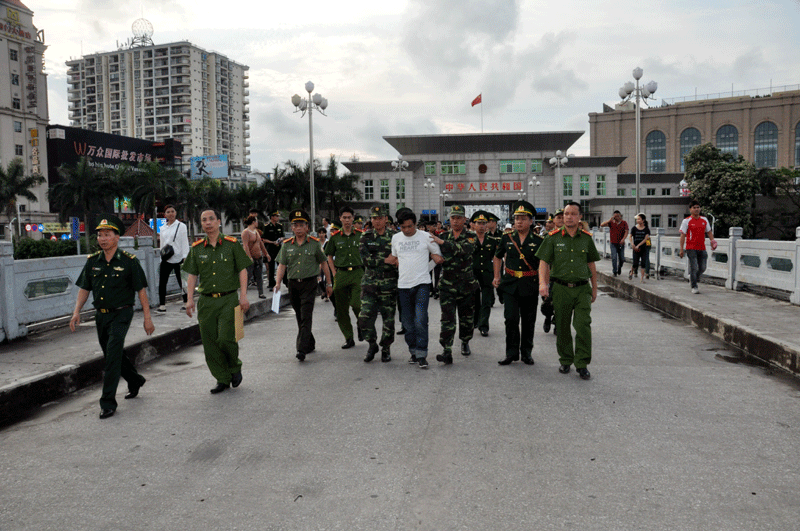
(213, 166)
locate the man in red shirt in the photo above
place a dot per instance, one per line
(618, 231)
(694, 230)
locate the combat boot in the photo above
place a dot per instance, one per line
(465, 351)
(445, 357)
(385, 355)
(373, 349)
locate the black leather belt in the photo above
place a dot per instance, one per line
(349, 268)
(110, 310)
(570, 284)
(218, 295)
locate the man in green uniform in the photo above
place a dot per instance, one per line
(113, 277)
(379, 285)
(344, 261)
(273, 235)
(569, 254)
(221, 265)
(483, 269)
(519, 284)
(300, 259)
(458, 285)
(547, 302)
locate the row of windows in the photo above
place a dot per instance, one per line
(369, 189)
(765, 145)
(583, 189)
(621, 192)
(459, 167)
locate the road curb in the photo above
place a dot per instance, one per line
(768, 349)
(21, 398)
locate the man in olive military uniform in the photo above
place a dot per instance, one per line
(568, 257)
(458, 285)
(547, 302)
(113, 277)
(483, 269)
(300, 260)
(378, 286)
(519, 284)
(273, 234)
(220, 263)
(344, 261)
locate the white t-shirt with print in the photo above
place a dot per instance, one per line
(413, 254)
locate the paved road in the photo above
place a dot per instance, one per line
(666, 435)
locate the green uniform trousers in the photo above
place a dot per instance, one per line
(373, 302)
(484, 300)
(578, 302)
(217, 330)
(112, 328)
(347, 291)
(462, 302)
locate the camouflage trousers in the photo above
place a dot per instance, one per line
(462, 302)
(373, 302)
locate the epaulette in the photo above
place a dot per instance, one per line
(231, 239)
(198, 242)
(586, 232)
(290, 240)
(312, 238)
(93, 254)
(356, 229)
(552, 232)
(129, 255)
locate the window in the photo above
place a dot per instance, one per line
(633, 192)
(690, 138)
(15, 103)
(672, 221)
(369, 190)
(512, 166)
(766, 145)
(384, 189)
(620, 192)
(584, 206)
(797, 145)
(18, 150)
(400, 189)
(12, 55)
(601, 185)
(656, 153)
(728, 139)
(430, 168)
(568, 185)
(454, 167)
(666, 191)
(655, 221)
(584, 185)
(15, 79)
(17, 126)
(536, 166)
(651, 191)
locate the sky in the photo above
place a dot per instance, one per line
(413, 67)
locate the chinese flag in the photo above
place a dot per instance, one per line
(477, 100)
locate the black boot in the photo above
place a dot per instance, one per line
(465, 351)
(373, 349)
(385, 355)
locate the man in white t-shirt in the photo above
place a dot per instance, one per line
(412, 249)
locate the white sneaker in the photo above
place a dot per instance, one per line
(162, 309)
(695, 291)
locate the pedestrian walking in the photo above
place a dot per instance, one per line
(113, 278)
(483, 269)
(273, 236)
(174, 239)
(344, 261)
(378, 286)
(640, 244)
(220, 264)
(412, 249)
(256, 251)
(694, 230)
(618, 232)
(300, 260)
(516, 276)
(568, 257)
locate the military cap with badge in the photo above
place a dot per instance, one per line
(110, 222)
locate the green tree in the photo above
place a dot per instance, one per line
(726, 187)
(334, 191)
(13, 184)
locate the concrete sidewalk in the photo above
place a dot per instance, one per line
(50, 364)
(762, 327)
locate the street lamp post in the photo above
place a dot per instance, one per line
(629, 92)
(559, 161)
(443, 197)
(399, 166)
(532, 185)
(429, 185)
(303, 105)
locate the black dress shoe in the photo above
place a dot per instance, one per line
(547, 322)
(563, 369)
(465, 351)
(349, 343)
(104, 414)
(527, 360)
(447, 359)
(583, 373)
(386, 355)
(219, 388)
(484, 333)
(133, 390)
(507, 360)
(371, 351)
(236, 379)
(300, 356)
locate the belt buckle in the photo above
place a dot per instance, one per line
(571, 284)
(518, 274)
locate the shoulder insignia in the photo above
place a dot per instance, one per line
(94, 254)
(586, 232)
(231, 239)
(552, 232)
(290, 240)
(198, 242)
(312, 238)
(129, 255)
(334, 233)
(356, 229)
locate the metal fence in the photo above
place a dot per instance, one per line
(767, 264)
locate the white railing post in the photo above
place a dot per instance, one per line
(9, 326)
(659, 234)
(795, 296)
(734, 235)
(606, 249)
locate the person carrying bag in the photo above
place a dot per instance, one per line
(173, 251)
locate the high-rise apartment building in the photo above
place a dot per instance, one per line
(155, 92)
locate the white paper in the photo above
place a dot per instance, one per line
(276, 302)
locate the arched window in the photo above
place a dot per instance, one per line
(766, 145)
(656, 155)
(690, 138)
(797, 146)
(728, 139)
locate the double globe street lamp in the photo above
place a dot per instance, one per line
(638, 93)
(303, 105)
(557, 162)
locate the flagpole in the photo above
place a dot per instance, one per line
(481, 112)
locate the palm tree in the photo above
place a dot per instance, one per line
(151, 183)
(14, 183)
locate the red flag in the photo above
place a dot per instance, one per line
(477, 100)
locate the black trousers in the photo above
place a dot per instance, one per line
(165, 271)
(111, 331)
(271, 265)
(520, 318)
(302, 294)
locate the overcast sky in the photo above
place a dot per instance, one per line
(413, 67)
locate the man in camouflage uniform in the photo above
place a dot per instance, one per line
(378, 285)
(483, 269)
(458, 285)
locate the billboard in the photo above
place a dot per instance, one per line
(213, 166)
